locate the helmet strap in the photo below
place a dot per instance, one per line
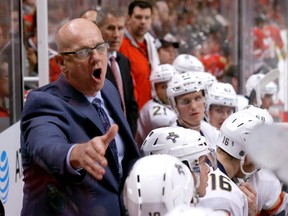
(247, 174)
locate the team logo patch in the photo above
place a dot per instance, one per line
(179, 169)
(172, 136)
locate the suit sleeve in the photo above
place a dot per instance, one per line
(44, 134)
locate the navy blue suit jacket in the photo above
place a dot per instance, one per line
(55, 117)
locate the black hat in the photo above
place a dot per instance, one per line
(168, 40)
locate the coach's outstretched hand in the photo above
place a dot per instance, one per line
(91, 155)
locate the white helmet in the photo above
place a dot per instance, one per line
(157, 183)
(221, 94)
(207, 78)
(259, 113)
(186, 144)
(183, 210)
(182, 84)
(234, 133)
(254, 79)
(161, 73)
(184, 63)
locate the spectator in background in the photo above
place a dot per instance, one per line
(268, 45)
(28, 6)
(215, 64)
(139, 47)
(90, 14)
(111, 22)
(4, 88)
(167, 49)
(273, 31)
(164, 12)
(5, 43)
(31, 51)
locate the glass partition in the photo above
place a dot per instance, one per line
(10, 63)
(239, 37)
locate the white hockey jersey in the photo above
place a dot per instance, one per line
(209, 132)
(223, 194)
(154, 115)
(270, 197)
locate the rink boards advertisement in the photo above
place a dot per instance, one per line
(11, 184)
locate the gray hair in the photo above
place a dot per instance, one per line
(105, 11)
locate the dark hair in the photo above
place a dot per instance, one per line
(105, 11)
(141, 4)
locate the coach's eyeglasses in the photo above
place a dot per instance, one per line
(101, 48)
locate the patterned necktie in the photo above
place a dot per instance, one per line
(106, 124)
(117, 77)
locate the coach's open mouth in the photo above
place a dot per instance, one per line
(97, 73)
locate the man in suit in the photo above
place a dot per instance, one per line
(74, 164)
(111, 22)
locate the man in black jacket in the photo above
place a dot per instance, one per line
(111, 22)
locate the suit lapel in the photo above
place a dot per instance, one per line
(114, 106)
(123, 67)
(82, 105)
(79, 102)
(110, 75)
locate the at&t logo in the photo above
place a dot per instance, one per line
(4, 177)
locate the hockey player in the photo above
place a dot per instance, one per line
(189, 63)
(186, 93)
(157, 184)
(157, 111)
(221, 102)
(222, 194)
(189, 146)
(263, 189)
(268, 93)
(185, 62)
